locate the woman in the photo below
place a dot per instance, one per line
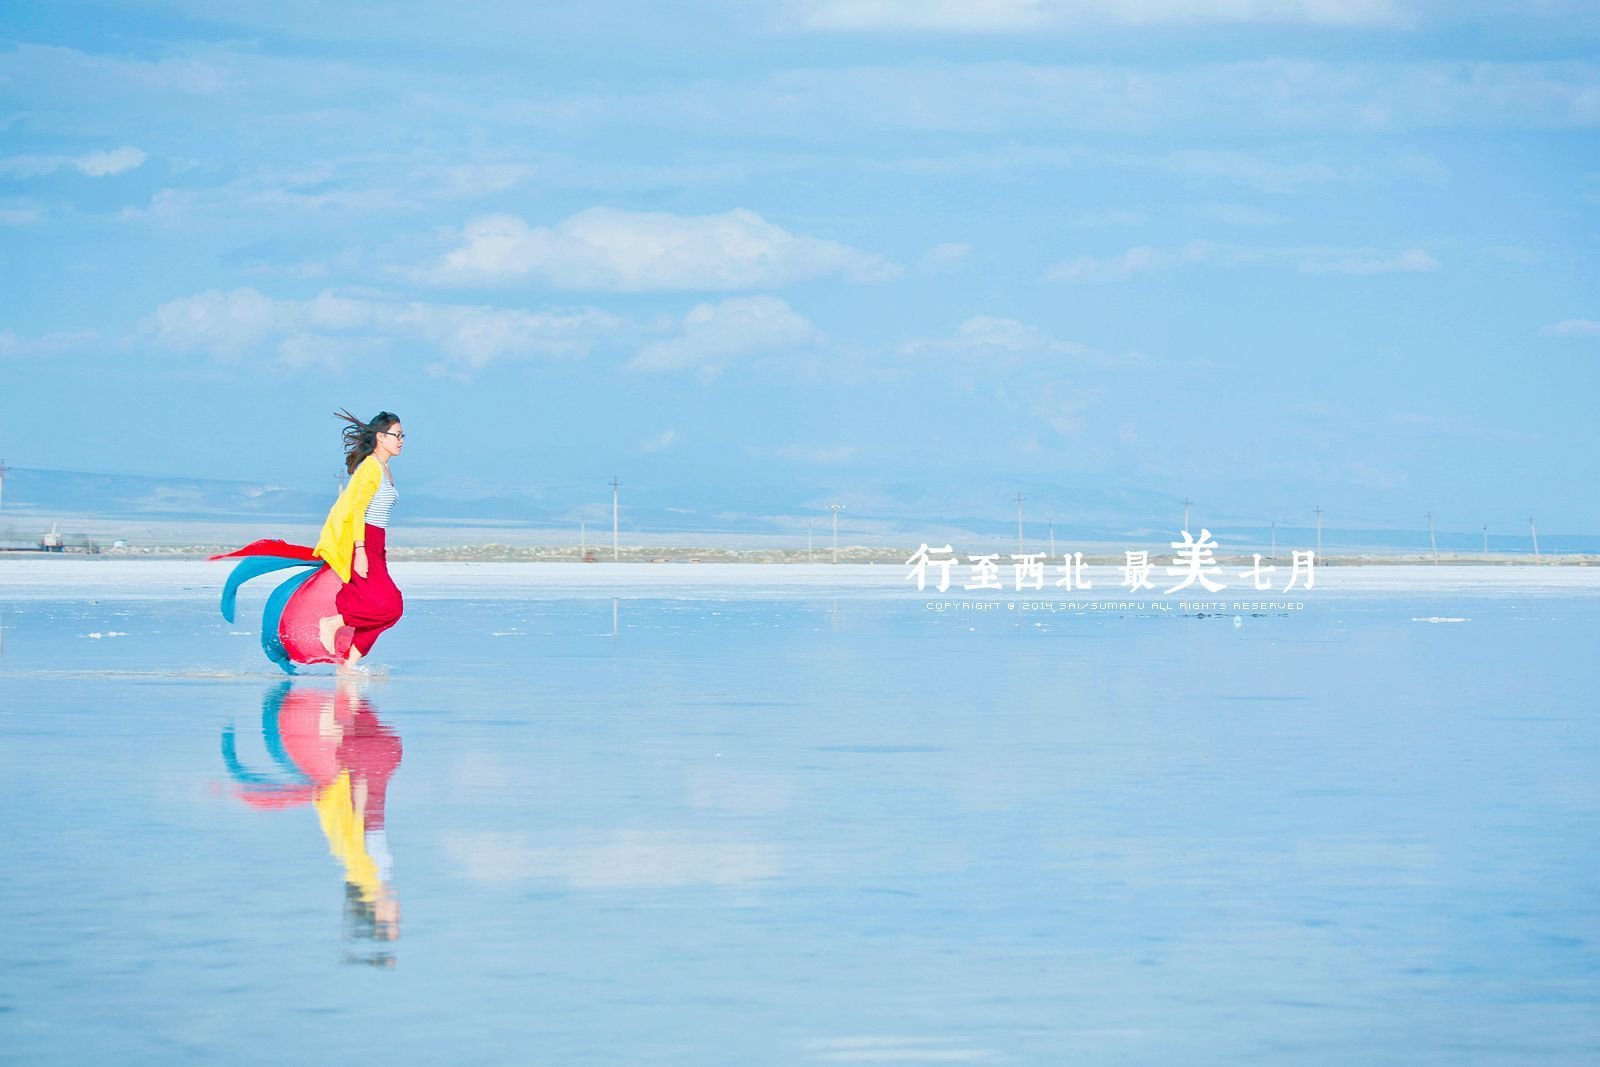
(352, 541)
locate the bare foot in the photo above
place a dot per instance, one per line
(327, 629)
(352, 666)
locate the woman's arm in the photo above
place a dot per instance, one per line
(346, 521)
(362, 488)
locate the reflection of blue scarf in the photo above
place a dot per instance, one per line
(291, 776)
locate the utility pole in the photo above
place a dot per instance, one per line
(1274, 540)
(2, 480)
(583, 540)
(615, 485)
(1019, 524)
(836, 508)
(1534, 530)
(1432, 540)
(1318, 510)
(1052, 539)
(1186, 503)
(811, 556)
(1485, 540)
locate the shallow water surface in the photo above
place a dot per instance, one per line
(616, 822)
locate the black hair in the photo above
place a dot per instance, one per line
(361, 438)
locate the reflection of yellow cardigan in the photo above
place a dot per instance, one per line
(346, 836)
(347, 521)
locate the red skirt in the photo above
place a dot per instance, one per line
(372, 604)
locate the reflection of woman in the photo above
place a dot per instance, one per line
(353, 540)
(351, 810)
(332, 750)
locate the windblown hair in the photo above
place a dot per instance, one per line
(361, 438)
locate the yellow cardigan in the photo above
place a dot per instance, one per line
(347, 521)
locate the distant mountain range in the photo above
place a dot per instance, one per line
(961, 515)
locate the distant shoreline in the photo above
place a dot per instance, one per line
(661, 555)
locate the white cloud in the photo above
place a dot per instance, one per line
(480, 179)
(304, 349)
(59, 71)
(660, 442)
(946, 15)
(991, 341)
(165, 205)
(1242, 215)
(479, 335)
(1371, 477)
(1063, 405)
(1573, 328)
(1145, 259)
(96, 164)
(1412, 260)
(1246, 96)
(387, 182)
(1141, 259)
(256, 198)
(332, 328)
(103, 164)
(337, 200)
(713, 335)
(944, 256)
(20, 216)
(609, 249)
(1007, 16)
(1417, 418)
(1262, 171)
(827, 456)
(990, 335)
(46, 345)
(223, 324)
(1273, 171)
(1106, 219)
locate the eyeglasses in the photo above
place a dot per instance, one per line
(391, 433)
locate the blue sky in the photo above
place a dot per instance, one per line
(915, 255)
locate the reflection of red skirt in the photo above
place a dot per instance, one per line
(372, 604)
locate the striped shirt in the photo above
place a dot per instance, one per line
(382, 501)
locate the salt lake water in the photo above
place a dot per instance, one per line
(753, 815)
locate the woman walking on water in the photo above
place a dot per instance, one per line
(352, 541)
